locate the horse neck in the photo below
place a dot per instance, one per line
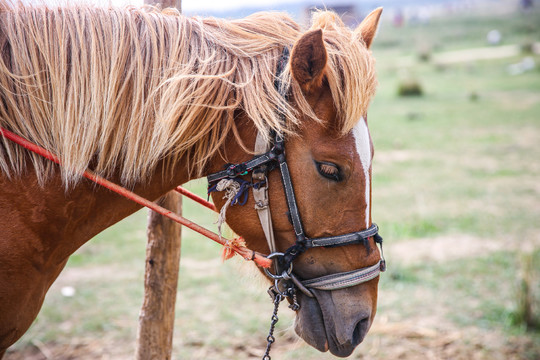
(76, 215)
(63, 220)
(43, 225)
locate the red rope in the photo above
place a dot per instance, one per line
(196, 198)
(242, 251)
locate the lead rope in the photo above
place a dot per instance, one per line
(278, 298)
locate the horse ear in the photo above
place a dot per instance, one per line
(368, 27)
(308, 60)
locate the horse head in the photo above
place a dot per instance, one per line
(329, 159)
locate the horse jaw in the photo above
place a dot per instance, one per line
(335, 320)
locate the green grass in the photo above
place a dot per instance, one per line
(458, 32)
(495, 289)
(464, 160)
(444, 167)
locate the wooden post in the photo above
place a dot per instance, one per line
(156, 319)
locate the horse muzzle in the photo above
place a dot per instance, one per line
(335, 320)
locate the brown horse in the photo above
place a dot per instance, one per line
(153, 99)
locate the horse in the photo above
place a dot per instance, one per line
(151, 99)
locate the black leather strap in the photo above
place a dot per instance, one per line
(346, 239)
(235, 170)
(291, 201)
(277, 154)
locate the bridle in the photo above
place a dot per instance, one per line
(285, 281)
(259, 167)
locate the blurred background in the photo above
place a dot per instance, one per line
(456, 193)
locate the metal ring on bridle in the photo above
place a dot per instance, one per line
(285, 291)
(285, 274)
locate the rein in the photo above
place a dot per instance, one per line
(233, 245)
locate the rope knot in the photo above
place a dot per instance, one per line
(236, 192)
(228, 249)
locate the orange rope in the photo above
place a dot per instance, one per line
(196, 198)
(233, 245)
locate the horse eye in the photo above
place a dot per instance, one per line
(329, 170)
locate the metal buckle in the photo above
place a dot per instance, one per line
(285, 275)
(262, 185)
(261, 205)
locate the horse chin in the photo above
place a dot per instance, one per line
(325, 325)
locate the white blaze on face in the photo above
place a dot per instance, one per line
(363, 147)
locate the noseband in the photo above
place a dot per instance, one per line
(259, 166)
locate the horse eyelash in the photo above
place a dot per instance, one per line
(329, 171)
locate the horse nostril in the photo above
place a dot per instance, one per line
(360, 331)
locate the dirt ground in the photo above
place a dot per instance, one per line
(395, 341)
(415, 337)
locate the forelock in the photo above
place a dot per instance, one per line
(350, 70)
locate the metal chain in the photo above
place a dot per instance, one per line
(294, 306)
(270, 338)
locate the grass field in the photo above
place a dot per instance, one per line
(457, 197)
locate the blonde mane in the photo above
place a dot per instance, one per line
(120, 89)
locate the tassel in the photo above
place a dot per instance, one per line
(226, 253)
(238, 245)
(228, 248)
